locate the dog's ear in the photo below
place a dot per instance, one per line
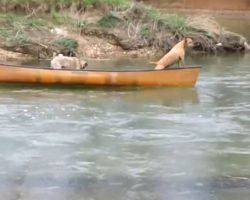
(186, 39)
(185, 42)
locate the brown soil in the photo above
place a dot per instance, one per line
(14, 56)
(96, 42)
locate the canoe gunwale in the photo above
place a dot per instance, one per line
(97, 70)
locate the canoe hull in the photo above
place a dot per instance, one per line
(171, 77)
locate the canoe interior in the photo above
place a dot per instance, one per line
(98, 70)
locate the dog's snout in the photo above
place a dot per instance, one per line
(191, 43)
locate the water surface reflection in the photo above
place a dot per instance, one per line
(161, 143)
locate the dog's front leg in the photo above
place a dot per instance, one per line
(180, 61)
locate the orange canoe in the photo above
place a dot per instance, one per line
(184, 76)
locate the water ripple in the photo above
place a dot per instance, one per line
(142, 143)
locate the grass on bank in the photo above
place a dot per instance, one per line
(14, 28)
(162, 30)
(26, 31)
(140, 22)
(51, 5)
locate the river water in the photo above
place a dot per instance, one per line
(236, 24)
(131, 143)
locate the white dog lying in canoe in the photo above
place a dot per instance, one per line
(64, 62)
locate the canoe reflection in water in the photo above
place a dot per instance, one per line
(153, 96)
(165, 96)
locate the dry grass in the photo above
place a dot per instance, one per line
(162, 30)
(145, 26)
(38, 6)
(205, 24)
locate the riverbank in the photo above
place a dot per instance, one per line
(104, 31)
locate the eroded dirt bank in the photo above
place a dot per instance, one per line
(134, 31)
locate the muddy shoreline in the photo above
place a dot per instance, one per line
(126, 33)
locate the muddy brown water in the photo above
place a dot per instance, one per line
(130, 143)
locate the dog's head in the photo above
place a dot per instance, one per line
(188, 42)
(83, 64)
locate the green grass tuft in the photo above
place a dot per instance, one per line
(67, 43)
(108, 21)
(60, 19)
(173, 22)
(52, 5)
(116, 3)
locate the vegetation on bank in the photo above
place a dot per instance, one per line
(124, 23)
(59, 5)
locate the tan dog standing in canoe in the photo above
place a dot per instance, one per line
(176, 54)
(65, 62)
